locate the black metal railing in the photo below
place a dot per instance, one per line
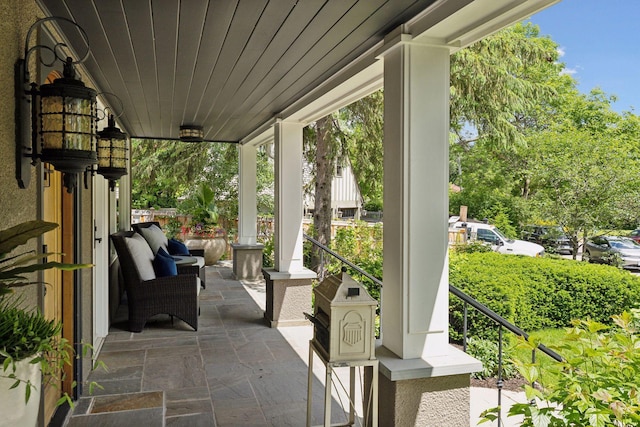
(467, 301)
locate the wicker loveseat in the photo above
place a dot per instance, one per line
(152, 232)
(148, 295)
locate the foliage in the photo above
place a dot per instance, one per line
(163, 171)
(596, 384)
(202, 208)
(471, 247)
(28, 333)
(173, 227)
(536, 293)
(360, 244)
(25, 334)
(613, 258)
(13, 269)
(584, 180)
(166, 171)
(487, 352)
(268, 252)
(498, 85)
(362, 126)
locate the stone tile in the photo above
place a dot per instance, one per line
(220, 372)
(263, 333)
(139, 343)
(121, 358)
(288, 415)
(126, 402)
(231, 390)
(116, 372)
(183, 350)
(281, 350)
(219, 355)
(117, 335)
(245, 417)
(214, 296)
(214, 339)
(188, 407)
(118, 387)
(209, 325)
(281, 367)
(254, 352)
(82, 406)
(173, 373)
(138, 418)
(275, 389)
(194, 420)
(191, 393)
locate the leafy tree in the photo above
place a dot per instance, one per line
(584, 180)
(499, 86)
(163, 170)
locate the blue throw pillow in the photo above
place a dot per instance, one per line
(176, 247)
(164, 264)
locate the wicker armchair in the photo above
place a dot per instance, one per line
(182, 269)
(173, 295)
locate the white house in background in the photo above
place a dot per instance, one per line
(346, 200)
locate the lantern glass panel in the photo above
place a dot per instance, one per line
(112, 153)
(52, 122)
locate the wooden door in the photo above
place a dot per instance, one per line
(59, 289)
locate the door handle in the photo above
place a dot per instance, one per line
(98, 239)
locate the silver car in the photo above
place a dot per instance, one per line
(601, 248)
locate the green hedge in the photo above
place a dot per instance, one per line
(535, 293)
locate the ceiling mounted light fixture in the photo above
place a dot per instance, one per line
(191, 133)
(56, 123)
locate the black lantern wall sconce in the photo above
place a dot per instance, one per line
(56, 122)
(112, 152)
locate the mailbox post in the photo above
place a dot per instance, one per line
(344, 336)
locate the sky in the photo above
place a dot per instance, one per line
(599, 41)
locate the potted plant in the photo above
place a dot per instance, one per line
(202, 231)
(30, 345)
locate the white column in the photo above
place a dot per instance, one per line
(416, 143)
(288, 197)
(247, 199)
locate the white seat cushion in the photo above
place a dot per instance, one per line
(155, 238)
(141, 255)
(199, 261)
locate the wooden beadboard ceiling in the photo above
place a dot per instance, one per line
(232, 66)
(229, 65)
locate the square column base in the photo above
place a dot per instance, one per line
(424, 392)
(247, 261)
(288, 297)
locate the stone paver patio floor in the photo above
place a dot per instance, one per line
(233, 371)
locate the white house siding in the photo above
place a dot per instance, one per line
(345, 194)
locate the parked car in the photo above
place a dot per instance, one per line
(490, 234)
(602, 248)
(551, 237)
(635, 235)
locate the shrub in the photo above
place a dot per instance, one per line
(487, 352)
(596, 384)
(536, 293)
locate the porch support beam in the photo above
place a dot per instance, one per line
(247, 198)
(247, 253)
(289, 283)
(422, 377)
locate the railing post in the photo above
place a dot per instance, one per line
(464, 326)
(499, 383)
